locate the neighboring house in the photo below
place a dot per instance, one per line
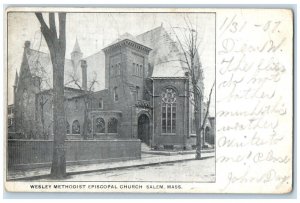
(144, 95)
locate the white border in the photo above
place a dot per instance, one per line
(212, 3)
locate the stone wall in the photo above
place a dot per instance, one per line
(38, 153)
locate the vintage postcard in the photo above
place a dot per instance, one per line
(149, 100)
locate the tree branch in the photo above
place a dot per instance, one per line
(208, 105)
(183, 50)
(62, 30)
(48, 36)
(52, 24)
(41, 20)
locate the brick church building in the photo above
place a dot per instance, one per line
(144, 94)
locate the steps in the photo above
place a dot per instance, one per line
(145, 147)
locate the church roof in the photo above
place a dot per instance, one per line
(40, 65)
(16, 79)
(126, 35)
(165, 56)
(170, 69)
(125, 38)
(69, 92)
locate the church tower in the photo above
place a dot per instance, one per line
(76, 56)
(126, 65)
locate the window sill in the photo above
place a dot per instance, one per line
(106, 134)
(166, 134)
(137, 76)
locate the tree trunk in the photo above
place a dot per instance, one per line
(197, 114)
(43, 120)
(84, 132)
(58, 169)
(56, 43)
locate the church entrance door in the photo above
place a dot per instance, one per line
(144, 129)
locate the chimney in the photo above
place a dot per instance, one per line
(27, 44)
(84, 74)
(27, 47)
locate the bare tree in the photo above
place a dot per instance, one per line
(87, 94)
(206, 113)
(189, 45)
(42, 102)
(56, 42)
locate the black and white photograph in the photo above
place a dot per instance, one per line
(111, 97)
(149, 100)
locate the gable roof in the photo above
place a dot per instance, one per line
(40, 65)
(129, 40)
(16, 79)
(124, 36)
(165, 56)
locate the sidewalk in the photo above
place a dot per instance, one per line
(146, 160)
(172, 153)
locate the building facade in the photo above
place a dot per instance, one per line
(145, 94)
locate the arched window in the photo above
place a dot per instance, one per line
(116, 96)
(137, 93)
(113, 70)
(116, 69)
(133, 68)
(100, 125)
(119, 68)
(168, 109)
(76, 104)
(137, 70)
(100, 103)
(113, 125)
(141, 71)
(67, 127)
(76, 127)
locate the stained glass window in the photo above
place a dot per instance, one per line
(76, 127)
(168, 113)
(100, 125)
(112, 125)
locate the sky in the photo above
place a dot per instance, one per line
(94, 31)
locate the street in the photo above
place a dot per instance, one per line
(186, 171)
